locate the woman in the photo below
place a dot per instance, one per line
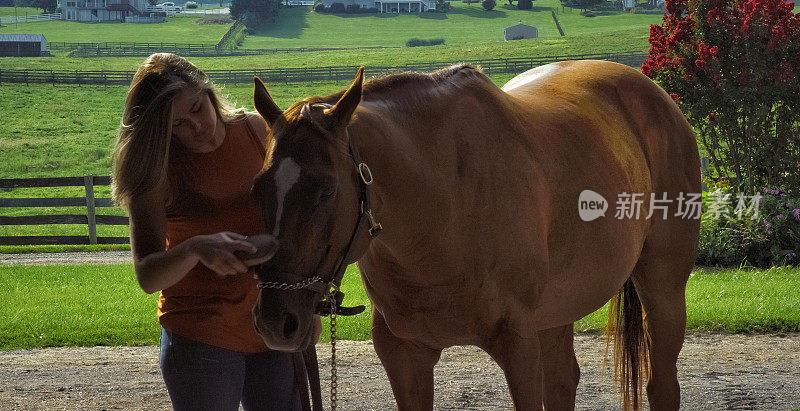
(183, 166)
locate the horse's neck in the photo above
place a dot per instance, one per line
(411, 199)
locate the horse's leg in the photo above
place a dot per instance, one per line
(518, 357)
(408, 365)
(660, 278)
(560, 371)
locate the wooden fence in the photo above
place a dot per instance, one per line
(303, 74)
(30, 18)
(206, 11)
(131, 49)
(90, 219)
(209, 51)
(61, 45)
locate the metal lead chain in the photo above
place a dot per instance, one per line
(284, 286)
(334, 376)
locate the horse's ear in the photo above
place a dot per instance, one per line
(339, 115)
(264, 103)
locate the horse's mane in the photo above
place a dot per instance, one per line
(441, 81)
(411, 89)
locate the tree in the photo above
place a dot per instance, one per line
(337, 8)
(255, 13)
(443, 6)
(732, 66)
(488, 5)
(525, 4)
(47, 6)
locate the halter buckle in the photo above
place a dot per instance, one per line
(365, 173)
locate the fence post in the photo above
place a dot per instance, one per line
(88, 183)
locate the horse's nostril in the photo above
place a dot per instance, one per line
(290, 325)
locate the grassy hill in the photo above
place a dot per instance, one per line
(176, 30)
(20, 11)
(619, 41)
(465, 24)
(469, 31)
(69, 130)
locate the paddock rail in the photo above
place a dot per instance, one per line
(90, 218)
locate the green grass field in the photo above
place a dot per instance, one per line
(470, 33)
(624, 40)
(176, 30)
(466, 24)
(20, 11)
(86, 305)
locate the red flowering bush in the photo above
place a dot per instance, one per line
(733, 67)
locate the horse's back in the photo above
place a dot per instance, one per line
(615, 94)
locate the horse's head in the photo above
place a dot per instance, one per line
(309, 193)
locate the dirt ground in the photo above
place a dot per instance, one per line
(716, 372)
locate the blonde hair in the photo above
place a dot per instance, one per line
(145, 150)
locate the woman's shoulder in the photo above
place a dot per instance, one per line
(255, 118)
(257, 125)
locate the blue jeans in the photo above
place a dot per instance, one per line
(203, 377)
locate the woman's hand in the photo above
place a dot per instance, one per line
(216, 251)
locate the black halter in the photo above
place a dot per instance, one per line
(333, 297)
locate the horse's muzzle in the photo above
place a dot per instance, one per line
(282, 328)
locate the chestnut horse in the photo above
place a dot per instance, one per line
(477, 193)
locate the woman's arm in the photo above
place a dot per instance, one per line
(157, 268)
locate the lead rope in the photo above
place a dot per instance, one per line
(334, 376)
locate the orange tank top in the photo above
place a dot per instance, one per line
(204, 306)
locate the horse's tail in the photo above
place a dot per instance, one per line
(627, 327)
